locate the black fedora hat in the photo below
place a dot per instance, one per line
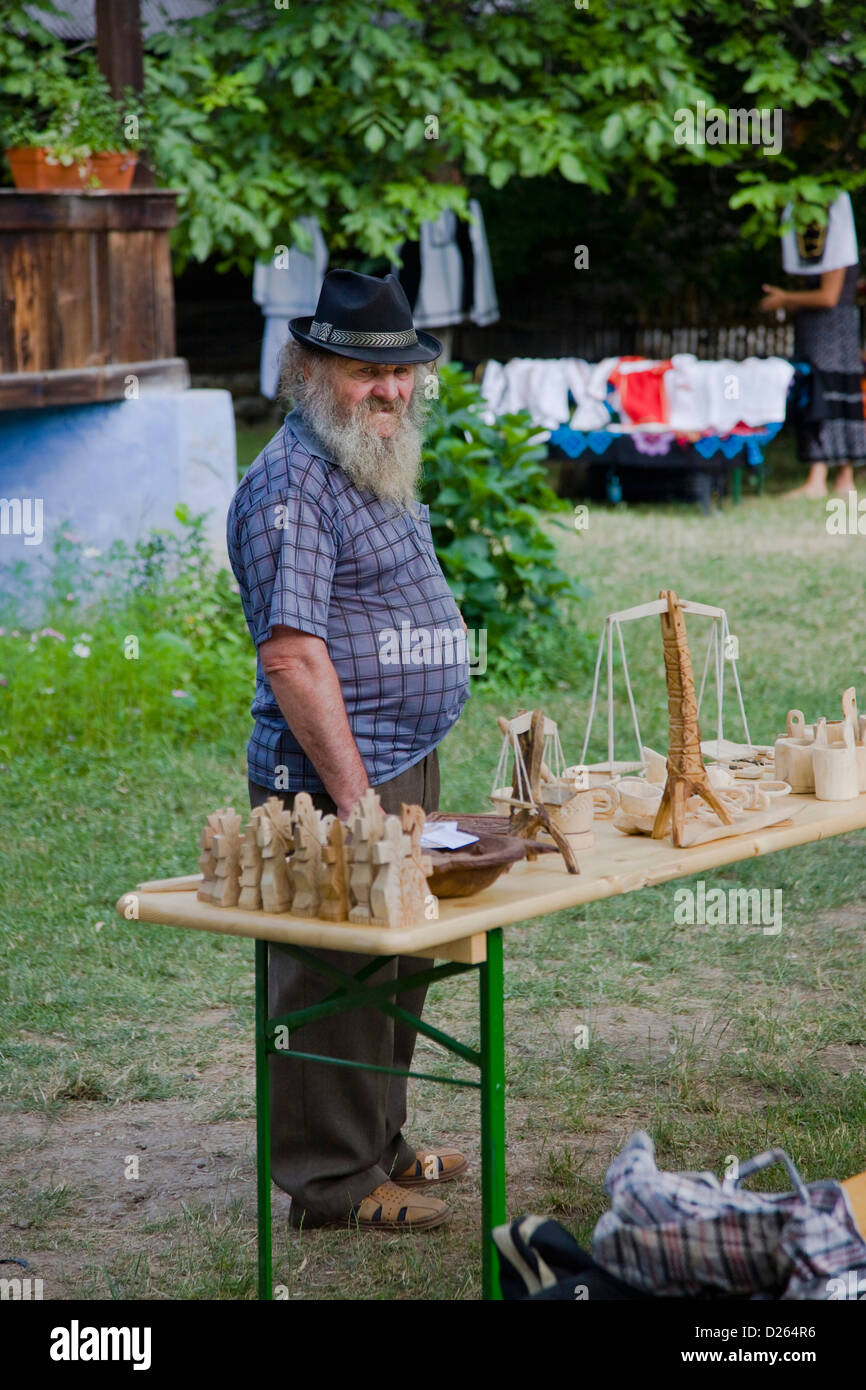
(367, 318)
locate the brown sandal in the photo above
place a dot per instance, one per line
(389, 1208)
(432, 1165)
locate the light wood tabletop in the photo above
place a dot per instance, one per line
(616, 864)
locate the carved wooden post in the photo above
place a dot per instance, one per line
(687, 775)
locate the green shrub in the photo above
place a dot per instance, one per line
(487, 489)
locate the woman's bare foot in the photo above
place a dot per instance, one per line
(815, 485)
(806, 491)
(845, 480)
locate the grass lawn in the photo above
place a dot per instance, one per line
(251, 441)
(129, 1046)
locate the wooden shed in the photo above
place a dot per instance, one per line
(99, 429)
(86, 296)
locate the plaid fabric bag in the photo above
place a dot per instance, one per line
(687, 1235)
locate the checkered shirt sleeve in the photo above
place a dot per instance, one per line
(290, 550)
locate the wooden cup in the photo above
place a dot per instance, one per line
(835, 765)
(575, 817)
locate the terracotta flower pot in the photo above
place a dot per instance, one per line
(114, 169)
(31, 170)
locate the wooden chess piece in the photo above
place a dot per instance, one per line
(687, 775)
(389, 854)
(274, 834)
(306, 862)
(227, 847)
(334, 882)
(207, 860)
(366, 827)
(415, 869)
(251, 865)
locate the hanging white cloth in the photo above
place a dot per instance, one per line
(701, 396)
(719, 395)
(440, 294)
(592, 413)
(551, 383)
(840, 245)
(287, 292)
(518, 373)
(537, 384)
(493, 386)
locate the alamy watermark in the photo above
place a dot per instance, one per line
(20, 1289)
(433, 646)
(77, 1343)
(846, 516)
(22, 516)
(720, 907)
(736, 126)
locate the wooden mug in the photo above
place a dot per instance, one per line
(835, 765)
(575, 817)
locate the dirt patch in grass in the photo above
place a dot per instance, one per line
(70, 1190)
(842, 1058)
(132, 1163)
(650, 1035)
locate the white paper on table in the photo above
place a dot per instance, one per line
(443, 834)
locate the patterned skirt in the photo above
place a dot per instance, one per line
(832, 429)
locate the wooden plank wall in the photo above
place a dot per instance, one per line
(85, 279)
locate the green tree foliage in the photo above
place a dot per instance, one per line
(261, 114)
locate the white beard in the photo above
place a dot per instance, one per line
(388, 466)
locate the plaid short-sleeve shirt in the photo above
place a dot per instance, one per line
(312, 552)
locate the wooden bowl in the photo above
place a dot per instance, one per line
(459, 873)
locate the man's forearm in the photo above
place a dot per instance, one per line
(308, 693)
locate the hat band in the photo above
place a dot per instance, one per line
(327, 333)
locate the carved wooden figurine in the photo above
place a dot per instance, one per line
(306, 863)
(687, 775)
(207, 860)
(389, 854)
(274, 833)
(415, 869)
(334, 880)
(366, 826)
(251, 864)
(227, 847)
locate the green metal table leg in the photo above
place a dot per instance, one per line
(492, 1109)
(490, 1060)
(737, 479)
(263, 1124)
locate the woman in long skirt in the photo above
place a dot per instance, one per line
(832, 431)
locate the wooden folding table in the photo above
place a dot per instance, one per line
(466, 936)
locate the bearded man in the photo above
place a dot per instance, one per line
(331, 552)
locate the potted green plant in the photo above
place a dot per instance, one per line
(79, 137)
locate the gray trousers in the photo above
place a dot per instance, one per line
(336, 1133)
